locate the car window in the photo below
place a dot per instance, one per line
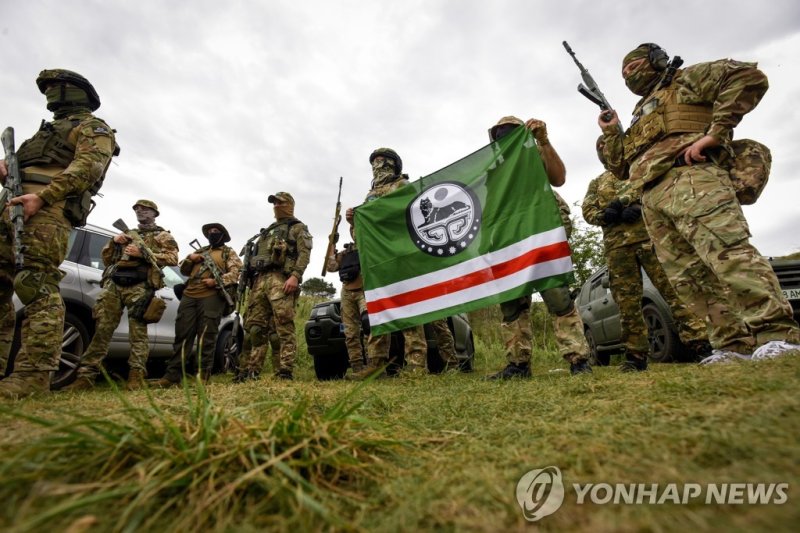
(91, 250)
(598, 291)
(172, 276)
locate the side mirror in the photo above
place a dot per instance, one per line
(606, 282)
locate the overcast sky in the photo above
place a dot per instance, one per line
(218, 104)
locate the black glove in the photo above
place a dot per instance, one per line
(632, 213)
(612, 213)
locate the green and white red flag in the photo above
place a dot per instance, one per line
(481, 231)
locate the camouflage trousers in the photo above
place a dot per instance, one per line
(269, 304)
(353, 304)
(625, 276)
(197, 320)
(702, 240)
(444, 341)
(45, 247)
(107, 313)
(263, 335)
(518, 337)
(416, 349)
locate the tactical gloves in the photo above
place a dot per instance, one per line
(613, 213)
(632, 213)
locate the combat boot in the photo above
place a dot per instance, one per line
(376, 367)
(284, 374)
(513, 370)
(166, 383)
(357, 366)
(633, 364)
(135, 380)
(23, 384)
(581, 367)
(81, 383)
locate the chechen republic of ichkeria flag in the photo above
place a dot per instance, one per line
(481, 231)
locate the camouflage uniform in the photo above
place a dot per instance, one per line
(353, 305)
(202, 307)
(628, 249)
(416, 349)
(60, 163)
(692, 214)
(282, 250)
(129, 282)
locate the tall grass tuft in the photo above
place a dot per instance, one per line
(193, 466)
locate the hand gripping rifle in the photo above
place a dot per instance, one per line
(11, 189)
(210, 265)
(146, 253)
(591, 90)
(333, 238)
(245, 278)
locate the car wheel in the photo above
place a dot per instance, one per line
(74, 342)
(597, 358)
(663, 341)
(226, 355)
(328, 367)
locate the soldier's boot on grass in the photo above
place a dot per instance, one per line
(167, 382)
(634, 363)
(698, 350)
(23, 384)
(580, 367)
(357, 366)
(135, 380)
(375, 367)
(513, 370)
(82, 382)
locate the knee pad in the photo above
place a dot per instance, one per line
(513, 308)
(30, 286)
(257, 336)
(558, 301)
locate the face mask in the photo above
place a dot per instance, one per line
(145, 216)
(504, 130)
(71, 97)
(382, 169)
(642, 80)
(283, 211)
(215, 239)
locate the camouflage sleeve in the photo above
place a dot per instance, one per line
(232, 268)
(109, 252)
(614, 152)
(94, 147)
(167, 253)
(591, 207)
(333, 262)
(733, 87)
(304, 245)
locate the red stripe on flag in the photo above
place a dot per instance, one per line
(479, 277)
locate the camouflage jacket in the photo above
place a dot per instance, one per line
(603, 190)
(728, 88)
(158, 240)
(228, 263)
(383, 188)
(94, 146)
(296, 258)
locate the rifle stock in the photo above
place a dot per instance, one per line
(333, 238)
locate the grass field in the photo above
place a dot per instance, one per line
(438, 453)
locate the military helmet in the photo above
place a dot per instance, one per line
(208, 227)
(147, 203)
(281, 196)
(391, 154)
(59, 75)
(503, 122)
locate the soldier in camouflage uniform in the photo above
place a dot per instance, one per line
(130, 280)
(387, 173)
(615, 206)
(280, 256)
(62, 164)
(202, 304)
(674, 151)
(516, 324)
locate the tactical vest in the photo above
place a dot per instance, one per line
(350, 267)
(139, 265)
(275, 250)
(50, 146)
(660, 115)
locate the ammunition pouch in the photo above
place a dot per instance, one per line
(30, 286)
(749, 169)
(77, 208)
(149, 309)
(129, 278)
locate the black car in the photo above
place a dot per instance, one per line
(600, 315)
(324, 334)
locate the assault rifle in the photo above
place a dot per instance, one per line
(333, 238)
(591, 89)
(245, 278)
(210, 265)
(137, 240)
(11, 189)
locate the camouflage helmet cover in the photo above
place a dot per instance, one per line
(147, 203)
(391, 154)
(59, 75)
(226, 237)
(502, 122)
(656, 55)
(281, 196)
